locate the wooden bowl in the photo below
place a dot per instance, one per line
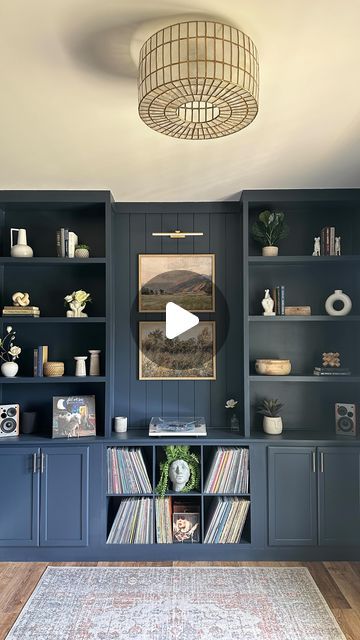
(273, 367)
(54, 369)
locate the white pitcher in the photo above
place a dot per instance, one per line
(21, 249)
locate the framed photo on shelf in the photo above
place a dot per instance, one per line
(185, 279)
(190, 356)
(73, 416)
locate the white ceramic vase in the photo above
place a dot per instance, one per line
(270, 251)
(9, 369)
(80, 369)
(81, 253)
(272, 426)
(21, 249)
(94, 362)
(338, 296)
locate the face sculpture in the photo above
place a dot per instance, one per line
(179, 474)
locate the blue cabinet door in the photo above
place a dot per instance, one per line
(339, 496)
(292, 496)
(64, 514)
(19, 497)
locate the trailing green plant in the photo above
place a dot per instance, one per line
(270, 408)
(179, 452)
(270, 228)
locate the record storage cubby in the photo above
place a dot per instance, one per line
(152, 455)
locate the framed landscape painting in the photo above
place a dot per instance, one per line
(185, 279)
(190, 356)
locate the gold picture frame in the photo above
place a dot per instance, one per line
(194, 290)
(154, 367)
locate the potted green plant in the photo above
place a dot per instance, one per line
(268, 230)
(173, 454)
(82, 251)
(272, 422)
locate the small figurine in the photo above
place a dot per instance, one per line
(330, 359)
(77, 302)
(268, 304)
(337, 246)
(20, 299)
(317, 250)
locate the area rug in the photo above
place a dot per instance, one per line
(176, 603)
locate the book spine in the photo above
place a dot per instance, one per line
(66, 240)
(332, 241)
(278, 302)
(58, 243)
(36, 357)
(327, 244)
(40, 369)
(62, 242)
(273, 295)
(282, 300)
(322, 242)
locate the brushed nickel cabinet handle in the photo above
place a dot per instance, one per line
(314, 462)
(34, 459)
(42, 467)
(321, 462)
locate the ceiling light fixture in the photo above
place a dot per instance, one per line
(198, 80)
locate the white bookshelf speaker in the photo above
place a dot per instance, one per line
(9, 420)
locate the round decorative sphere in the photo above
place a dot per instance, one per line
(338, 296)
(198, 80)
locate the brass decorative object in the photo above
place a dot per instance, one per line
(177, 234)
(198, 80)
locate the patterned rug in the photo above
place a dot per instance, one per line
(176, 603)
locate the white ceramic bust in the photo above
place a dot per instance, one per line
(179, 474)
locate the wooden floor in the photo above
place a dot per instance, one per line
(339, 582)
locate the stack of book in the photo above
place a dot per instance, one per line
(229, 471)
(127, 472)
(34, 312)
(163, 515)
(327, 241)
(133, 522)
(227, 519)
(278, 295)
(332, 371)
(66, 241)
(40, 356)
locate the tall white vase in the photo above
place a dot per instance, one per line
(94, 362)
(80, 369)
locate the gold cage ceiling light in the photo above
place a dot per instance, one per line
(198, 80)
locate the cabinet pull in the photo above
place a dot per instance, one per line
(42, 465)
(34, 460)
(321, 462)
(314, 462)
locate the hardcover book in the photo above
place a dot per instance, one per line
(73, 416)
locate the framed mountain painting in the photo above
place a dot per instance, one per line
(185, 279)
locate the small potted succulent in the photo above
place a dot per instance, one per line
(234, 421)
(268, 230)
(272, 422)
(82, 251)
(9, 352)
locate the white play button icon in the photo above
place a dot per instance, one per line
(178, 320)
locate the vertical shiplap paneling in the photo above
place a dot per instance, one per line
(170, 387)
(137, 387)
(122, 296)
(154, 388)
(202, 387)
(234, 352)
(218, 387)
(186, 387)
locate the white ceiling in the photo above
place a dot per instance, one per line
(68, 106)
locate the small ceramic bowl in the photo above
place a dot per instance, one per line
(273, 367)
(54, 369)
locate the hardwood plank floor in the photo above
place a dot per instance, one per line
(339, 582)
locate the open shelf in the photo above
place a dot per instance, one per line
(52, 320)
(34, 262)
(279, 260)
(349, 318)
(49, 380)
(312, 378)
